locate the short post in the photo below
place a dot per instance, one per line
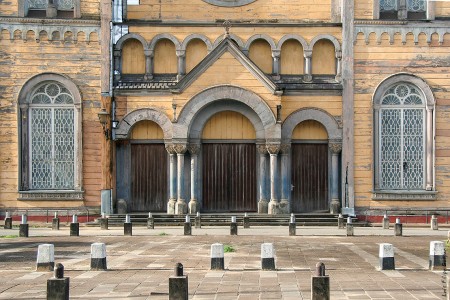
(98, 257)
(150, 221)
(398, 228)
(292, 226)
(437, 259)
(127, 226)
(267, 256)
(187, 226)
(55, 222)
(74, 226)
(386, 256)
(341, 221)
(198, 220)
(233, 226)
(246, 221)
(350, 231)
(58, 286)
(320, 284)
(45, 258)
(104, 222)
(385, 222)
(434, 223)
(178, 284)
(217, 257)
(8, 221)
(23, 227)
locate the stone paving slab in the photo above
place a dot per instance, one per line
(139, 266)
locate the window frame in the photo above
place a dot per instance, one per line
(402, 14)
(429, 146)
(23, 9)
(24, 184)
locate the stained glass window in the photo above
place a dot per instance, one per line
(401, 138)
(42, 4)
(52, 137)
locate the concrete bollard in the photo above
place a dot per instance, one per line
(398, 228)
(292, 226)
(187, 226)
(8, 221)
(386, 256)
(233, 226)
(55, 222)
(267, 256)
(350, 231)
(98, 257)
(198, 220)
(150, 221)
(23, 227)
(340, 221)
(58, 286)
(127, 226)
(104, 222)
(320, 284)
(385, 222)
(178, 284)
(437, 259)
(45, 258)
(74, 226)
(434, 223)
(217, 257)
(246, 221)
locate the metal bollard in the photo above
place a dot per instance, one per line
(23, 227)
(188, 226)
(150, 221)
(233, 226)
(55, 222)
(350, 231)
(74, 226)
(58, 286)
(398, 228)
(127, 226)
(434, 223)
(385, 222)
(341, 221)
(8, 221)
(292, 226)
(198, 220)
(178, 284)
(246, 221)
(320, 284)
(104, 222)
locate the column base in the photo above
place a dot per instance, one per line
(180, 207)
(335, 206)
(263, 207)
(171, 206)
(284, 206)
(193, 206)
(274, 208)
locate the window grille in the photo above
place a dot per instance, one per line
(416, 5)
(52, 138)
(402, 143)
(388, 5)
(42, 4)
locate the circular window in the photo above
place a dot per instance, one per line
(229, 3)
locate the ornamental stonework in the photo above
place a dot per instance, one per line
(273, 148)
(335, 148)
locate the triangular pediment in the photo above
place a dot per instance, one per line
(226, 46)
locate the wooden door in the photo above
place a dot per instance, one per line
(309, 177)
(229, 177)
(148, 178)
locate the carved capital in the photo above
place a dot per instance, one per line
(307, 53)
(261, 149)
(180, 148)
(336, 148)
(170, 149)
(180, 53)
(194, 149)
(273, 148)
(285, 148)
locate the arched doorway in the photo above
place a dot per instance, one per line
(309, 170)
(228, 164)
(148, 187)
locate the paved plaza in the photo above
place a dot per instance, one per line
(139, 266)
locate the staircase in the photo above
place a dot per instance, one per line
(224, 219)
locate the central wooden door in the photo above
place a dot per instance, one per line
(148, 178)
(309, 177)
(229, 177)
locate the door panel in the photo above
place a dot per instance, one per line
(229, 177)
(148, 178)
(309, 177)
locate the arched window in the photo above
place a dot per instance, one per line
(394, 9)
(403, 136)
(52, 151)
(50, 139)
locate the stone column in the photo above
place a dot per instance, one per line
(263, 202)
(429, 150)
(285, 183)
(148, 64)
(338, 76)
(172, 179)
(274, 205)
(194, 149)
(308, 68)
(335, 205)
(180, 206)
(181, 54)
(117, 64)
(276, 64)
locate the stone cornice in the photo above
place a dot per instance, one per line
(43, 22)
